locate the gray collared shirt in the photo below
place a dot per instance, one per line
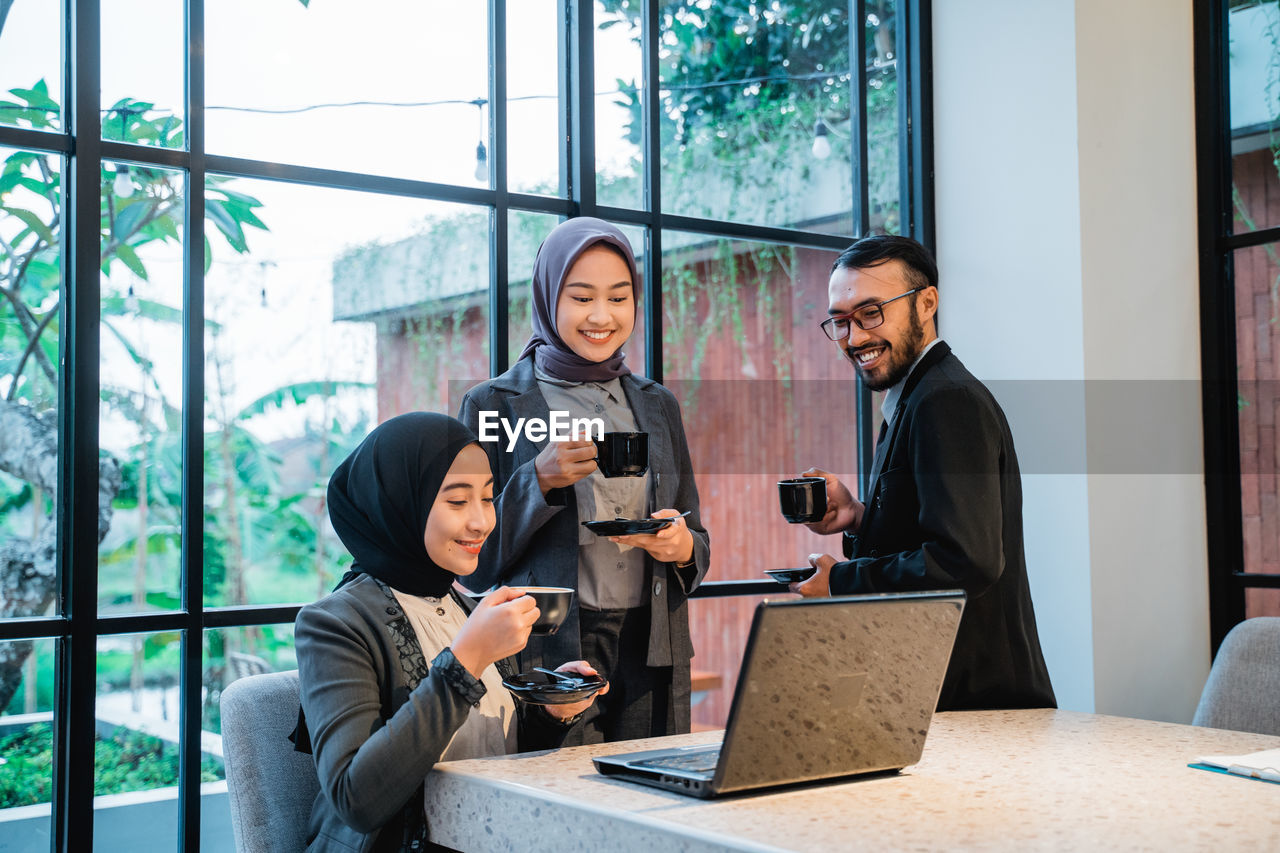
(889, 406)
(610, 576)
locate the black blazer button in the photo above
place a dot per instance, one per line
(391, 611)
(873, 553)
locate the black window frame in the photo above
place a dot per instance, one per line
(79, 626)
(1228, 580)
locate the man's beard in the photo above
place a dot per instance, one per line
(902, 355)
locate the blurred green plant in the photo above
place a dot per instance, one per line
(125, 761)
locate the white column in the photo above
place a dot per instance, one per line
(1065, 194)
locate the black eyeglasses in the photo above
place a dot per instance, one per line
(867, 317)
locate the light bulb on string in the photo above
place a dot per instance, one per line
(131, 301)
(122, 186)
(482, 154)
(821, 142)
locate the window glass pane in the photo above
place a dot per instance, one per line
(384, 87)
(30, 272)
(742, 94)
(31, 64)
(880, 32)
(140, 379)
(327, 312)
(1257, 297)
(619, 125)
(533, 111)
(1254, 75)
(763, 393)
(26, 742)
(1261, 602)
(719, 627)
(232, 653)
(525, 233)
(143, 89)
(136, 751)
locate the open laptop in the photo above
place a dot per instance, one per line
(829, 687)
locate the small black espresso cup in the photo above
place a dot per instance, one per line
(803, 499)
(623, 454)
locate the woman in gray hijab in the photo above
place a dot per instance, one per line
(630, 618)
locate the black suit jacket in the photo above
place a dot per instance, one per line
(945, 512)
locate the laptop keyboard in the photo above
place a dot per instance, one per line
(692, 762)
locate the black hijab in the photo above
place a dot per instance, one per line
(557, 254)
(380, 497)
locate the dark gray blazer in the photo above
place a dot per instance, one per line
(945, 512)
(536, 542)
(379, 718)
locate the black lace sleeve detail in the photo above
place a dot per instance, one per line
(456, 676)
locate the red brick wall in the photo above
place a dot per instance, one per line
(1257, 279)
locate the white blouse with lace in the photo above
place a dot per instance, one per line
(490, 729)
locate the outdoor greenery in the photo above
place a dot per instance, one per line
(258, 523)
(125, 761)
(745, 84)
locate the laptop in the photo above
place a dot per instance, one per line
(829, 687)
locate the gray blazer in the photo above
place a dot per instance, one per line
(379, 717)
(536, 542)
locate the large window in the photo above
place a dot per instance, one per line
(1238, 107)
(240, 234)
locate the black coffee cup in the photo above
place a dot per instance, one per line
(803, 499)
(623, 454)
(553, 604)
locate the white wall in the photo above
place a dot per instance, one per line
(1065, 195)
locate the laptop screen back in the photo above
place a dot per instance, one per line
(834, 686)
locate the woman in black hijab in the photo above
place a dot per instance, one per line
(630, 617)
(413, 504)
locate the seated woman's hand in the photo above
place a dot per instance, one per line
(671, 544)
(564, 712)
(498, 628)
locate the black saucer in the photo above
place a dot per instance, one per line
(627, 526)
(539, 688)
(790, 576)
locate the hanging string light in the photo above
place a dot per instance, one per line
(482, 155)
(821, 144)
(122, 185)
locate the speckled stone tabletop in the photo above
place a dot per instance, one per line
(989, 780)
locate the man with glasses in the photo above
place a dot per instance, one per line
(944, 509)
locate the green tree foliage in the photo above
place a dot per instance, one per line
(251, 517)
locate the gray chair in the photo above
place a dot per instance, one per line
(270, 785)
(1243, 690)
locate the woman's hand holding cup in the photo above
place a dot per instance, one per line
(497, 628)
(563, 463)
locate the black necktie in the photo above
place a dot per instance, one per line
(878, 459)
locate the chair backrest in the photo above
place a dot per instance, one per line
(1243, 690)
(270, 785)
(243, 665)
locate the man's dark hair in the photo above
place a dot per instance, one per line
(922, 270)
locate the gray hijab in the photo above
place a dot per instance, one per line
(556, 255)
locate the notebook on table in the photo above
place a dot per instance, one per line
(829, 687)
